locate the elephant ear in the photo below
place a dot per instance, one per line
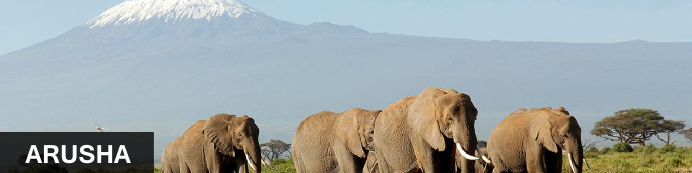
(347, 132)
(423, 118)
(218, 131)
(542, 132)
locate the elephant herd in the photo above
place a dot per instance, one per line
(431, 132)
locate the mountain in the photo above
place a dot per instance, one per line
(159, 65)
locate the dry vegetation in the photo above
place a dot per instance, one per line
(648, 159)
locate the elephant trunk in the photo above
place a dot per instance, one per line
(575, 156)
(465, 143)
(252, 155)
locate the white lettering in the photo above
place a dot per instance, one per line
(53, 154)
(33, 154)
(74, 154)
(84, 152)
(123, 151)
(100, 154)
(85, 155)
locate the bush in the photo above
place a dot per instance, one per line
(281, 165)
(605, 150)
(592, 150)
(648, 149)
(622, 147)
(668, 148)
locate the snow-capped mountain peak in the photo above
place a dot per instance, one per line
(170, 11)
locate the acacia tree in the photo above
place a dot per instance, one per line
(635, 126)
(587, 143)
(687, 133)
(274, 149)
(667, 127)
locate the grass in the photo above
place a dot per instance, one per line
(643, 160)
(280, 166)
(648, 159)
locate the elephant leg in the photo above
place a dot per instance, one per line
(214, 160)
(184, 168)
(382, 164)
(424, 154)
(346, 161)
(242, 168)
(213, 164)
(553, 162)
(535, 162)
(298, 162)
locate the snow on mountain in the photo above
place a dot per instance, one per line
(170, 11)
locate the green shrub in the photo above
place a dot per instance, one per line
(604, 150)
(592, 150)
(668, 148)
(281, 166)
(622, 147)
(648, 149)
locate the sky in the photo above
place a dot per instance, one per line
(27, 22)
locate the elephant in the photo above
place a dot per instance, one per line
(223, 143)
(169, 158)
(370, 163)
(421, 133)
(532, 140)
(334, 142)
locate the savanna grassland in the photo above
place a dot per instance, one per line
(646, 159)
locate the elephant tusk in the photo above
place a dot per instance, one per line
(483, 155)
(587, 163)
(571, 162)
(250, 162)
(463, 153)
(486, 159)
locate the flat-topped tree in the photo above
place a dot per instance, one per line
(274, 149)
(636, 126)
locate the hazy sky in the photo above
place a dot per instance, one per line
(23, 23)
